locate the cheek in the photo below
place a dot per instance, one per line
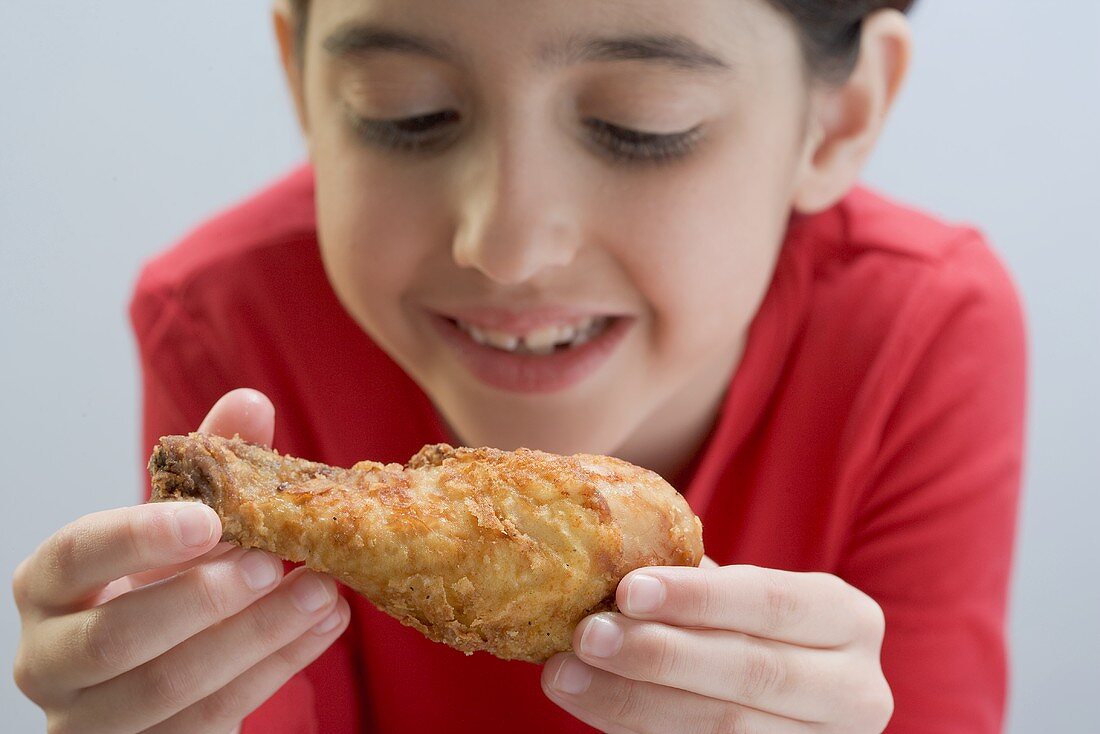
(376, 231)
(364, 222)
(701, 247)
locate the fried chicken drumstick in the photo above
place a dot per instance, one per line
(481, 549)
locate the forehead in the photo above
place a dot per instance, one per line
(694, 35)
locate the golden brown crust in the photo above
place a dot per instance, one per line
(481, 549)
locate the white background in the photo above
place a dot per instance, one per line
(123, 124)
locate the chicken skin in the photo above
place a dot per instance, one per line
(481, 549)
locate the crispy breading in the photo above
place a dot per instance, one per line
(480, 549)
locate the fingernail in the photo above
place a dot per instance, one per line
(259, 571)
(193, 526)
(309, 593)
(644, 594)
(328, 624)
(573, 677)
(602, 637)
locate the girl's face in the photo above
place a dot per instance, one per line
(558, 216)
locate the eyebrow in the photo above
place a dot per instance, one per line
(360, 40)
(667, 49)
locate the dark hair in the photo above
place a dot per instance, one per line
(829, 29)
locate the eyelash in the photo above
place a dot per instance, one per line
(406, 134)
(634, 146)
(415, 135)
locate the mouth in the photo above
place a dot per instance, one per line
(541, 341)
(532, 352)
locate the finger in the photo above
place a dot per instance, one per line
(75, 563)
(243, 411)
(221, 710)
(616, 704)
(807, 609)
(94, 645)
(798, 683)
(118, 587)
(208, 661)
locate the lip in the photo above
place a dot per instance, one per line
(528, 373)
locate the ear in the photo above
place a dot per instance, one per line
(847, 118)
(293, 65)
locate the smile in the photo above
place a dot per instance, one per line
(537, 351)
(542, 341)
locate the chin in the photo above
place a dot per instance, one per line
(544, 426)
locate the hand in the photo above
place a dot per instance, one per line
(733, 649)
(138, 619)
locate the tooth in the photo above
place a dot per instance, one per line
(565, 334)
(501, 340)
(477, 334)
(541, 341)
(595, 328)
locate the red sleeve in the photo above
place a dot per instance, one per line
(179, 384)
(933, 539)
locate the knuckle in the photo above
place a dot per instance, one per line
(213, 597)
(885, 708)
(761, 674)
(20, 585)
(26, 677)
(225, 706)
(729, 720)
(289, 658)
(704, 601)
(292, 658)
(104, 645)
(61, 723)
(621, 702)
(868, 618)
(169, 687)
(658, 651)
(868, 702)
(876, 704)
(264, 626)
(779, 604)
(22, 673)
(61, 554)
(132, 533)
(873, 618)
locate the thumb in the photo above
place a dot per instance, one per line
(245, 411)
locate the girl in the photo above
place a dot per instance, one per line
(629, 228)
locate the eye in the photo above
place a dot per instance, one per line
(411, 134)
(627, 145)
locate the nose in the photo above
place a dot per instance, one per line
(515, 217)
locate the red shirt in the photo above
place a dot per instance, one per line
(874, 431)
